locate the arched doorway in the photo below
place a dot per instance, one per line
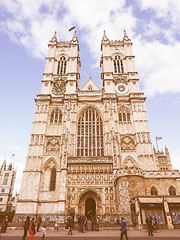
(90, 208)
(89, 201)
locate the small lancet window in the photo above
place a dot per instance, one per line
(52, 185)
(62, 65)
(118, 65)
(172, 190)
(154, 191)
(56, 117)
(124, 114)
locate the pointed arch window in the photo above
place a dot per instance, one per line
(56, 117)
(62, 65)
(172, 190)
(118, 65)
(90, 134)
(52, 185)
(124, 114)
(154, 191)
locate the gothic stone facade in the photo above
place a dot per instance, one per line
(90, 151)
(7, 179)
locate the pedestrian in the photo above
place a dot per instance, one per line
(39, 221)
(97, 223)
(79, 223)
(4, 225)
(70, 224)
(56, 226)
(32, 230)
(150, 225)
(82, 224)
(43, 229)
(123, 229)
(86, 223)
(155, 225)
(26, 227)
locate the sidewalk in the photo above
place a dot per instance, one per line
(115, 233)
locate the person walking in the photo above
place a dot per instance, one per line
(4, 225)
(155, 225)
(70, 225)
(26, 227)
(123, 229)
(150, 225)
(39, 221)
(56, 226)
(32, 230)
(43, 229)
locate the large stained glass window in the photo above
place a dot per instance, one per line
(90, 134)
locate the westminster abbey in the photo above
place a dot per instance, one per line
(90, 151)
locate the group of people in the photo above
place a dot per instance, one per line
(151, 225)
(30, 225)
(85, 224)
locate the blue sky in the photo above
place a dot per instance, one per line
(26, 26)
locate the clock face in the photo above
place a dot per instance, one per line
(59, 87)
(121, 88)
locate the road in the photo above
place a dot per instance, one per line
(100, 235)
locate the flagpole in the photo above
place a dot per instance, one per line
(157, 144)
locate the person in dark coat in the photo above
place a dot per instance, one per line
(150, 225)
(39, 221)
(123, 229)
(26, 227)
(70, 224)
(4, 225)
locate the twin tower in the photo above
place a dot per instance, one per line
(90, 151)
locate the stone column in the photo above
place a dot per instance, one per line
(167, 214)
(138, 214)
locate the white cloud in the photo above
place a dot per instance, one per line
(158, 66)
(33, 25)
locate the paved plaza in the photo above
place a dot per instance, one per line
(104, 234)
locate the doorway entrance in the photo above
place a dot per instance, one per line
(90, 208)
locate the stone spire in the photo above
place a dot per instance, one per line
(74, 39)
(104, 38)
(54, 38)
(3, 166)
(126, 38)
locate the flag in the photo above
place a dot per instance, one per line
(158, 138)
(71, 28)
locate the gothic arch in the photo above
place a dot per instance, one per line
(49, 174)
(89, 190)
(172, 190)
(89, 106)
(84, 196)
(154, 190)
(62, 54)
(129, 162)
(118, 53)
(48, 162)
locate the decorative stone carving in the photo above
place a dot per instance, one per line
(120, 79)
(59, 86)
(52, 146)
(127, 144)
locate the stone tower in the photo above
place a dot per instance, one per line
(7, 179)
(90, 151)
